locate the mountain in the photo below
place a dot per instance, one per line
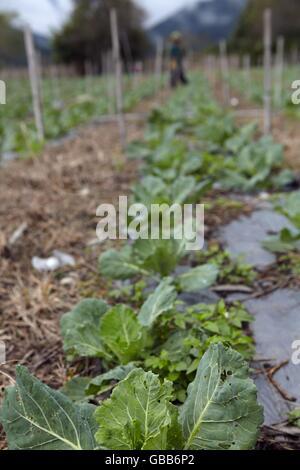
(204, 23)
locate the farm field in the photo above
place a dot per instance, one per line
(150, 286)
(149, 229)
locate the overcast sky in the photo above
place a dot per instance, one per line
(46, 15)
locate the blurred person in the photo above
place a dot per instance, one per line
(177, 54)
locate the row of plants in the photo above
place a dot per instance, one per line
(167, 373)
(67, 103)
(252, 88)
(208, 147)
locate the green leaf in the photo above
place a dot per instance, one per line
(119, 264)
(144, 257)
(275, 245)
(221, 411)
(138, 415)
(80, 329)
(75, 389)
(198, 278)
(291, 207)
(183, 189)
(294, 417)
(162, 300)
(284, 178)
(192, 164)
(101, 384)
(122, 333)
(35, 417)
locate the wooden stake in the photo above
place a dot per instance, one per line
(267, 71)
(247, 74)
(34, 82)
(118, 72)
(213, 70)
(159, 62)
(224, 72)
(279, 71)
(2, 92)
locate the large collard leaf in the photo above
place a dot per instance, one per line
(221, 411)
(198, 278)
(162, 300)
(80, 329)
(103, 383)
(122, 333)
(138, 416)
(36, 417)
(119, 264)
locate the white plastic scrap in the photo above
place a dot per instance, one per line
(18, 233)
(56, 261)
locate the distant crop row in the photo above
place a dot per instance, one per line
(67, 103)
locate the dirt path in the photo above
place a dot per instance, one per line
(56, 196)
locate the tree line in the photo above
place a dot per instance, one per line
(247, 37)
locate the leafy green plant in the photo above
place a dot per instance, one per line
(154, 190)
(90, 329)
(220, 412)
(204, 144)
(160, 337)
(290, 263)
(133, 293)
(185, 336)
(156, 259)
(230, 271)
(294, 417)
(253, 166)
(290, 206)
(284, 242)
(66, 104)
(35, 417)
